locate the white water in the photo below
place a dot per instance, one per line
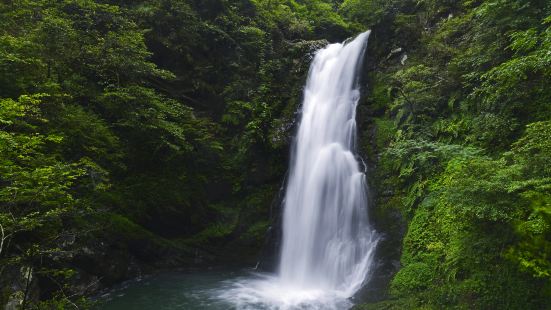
(327, 241)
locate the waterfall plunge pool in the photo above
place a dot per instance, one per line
(218, 289)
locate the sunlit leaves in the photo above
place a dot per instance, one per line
(36, 187)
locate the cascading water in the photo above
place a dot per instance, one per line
(327, 241)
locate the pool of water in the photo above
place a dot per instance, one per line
(217, 289)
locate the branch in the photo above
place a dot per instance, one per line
(2, 238)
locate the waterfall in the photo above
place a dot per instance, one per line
(327, 241)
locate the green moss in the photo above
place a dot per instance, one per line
(385, 130)
(256, 233)
(380, 90)
(212, 233)
(414, 277)
(395, 304)
(124, 229)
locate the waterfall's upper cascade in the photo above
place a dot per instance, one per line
(327, 241)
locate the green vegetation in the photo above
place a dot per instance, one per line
(153, 133)
(157, 132)
(467, 165)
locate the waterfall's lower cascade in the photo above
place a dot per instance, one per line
(327, 244)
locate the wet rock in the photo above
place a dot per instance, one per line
(83, 283)
(15, 301)
(394, 52)
(15, 284)
(403, 59)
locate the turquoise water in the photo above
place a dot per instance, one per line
(217, 289)
(174, 290)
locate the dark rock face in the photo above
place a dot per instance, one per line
(83, 284)
(109, 265)
(19, 287)
(386, 220)
(269, 256)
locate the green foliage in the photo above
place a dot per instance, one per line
(39, 191)
(468, 164)
(364, 12)
(167, 123)
(164, 122)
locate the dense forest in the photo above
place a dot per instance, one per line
(151, 134)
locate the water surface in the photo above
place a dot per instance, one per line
(216, 289)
